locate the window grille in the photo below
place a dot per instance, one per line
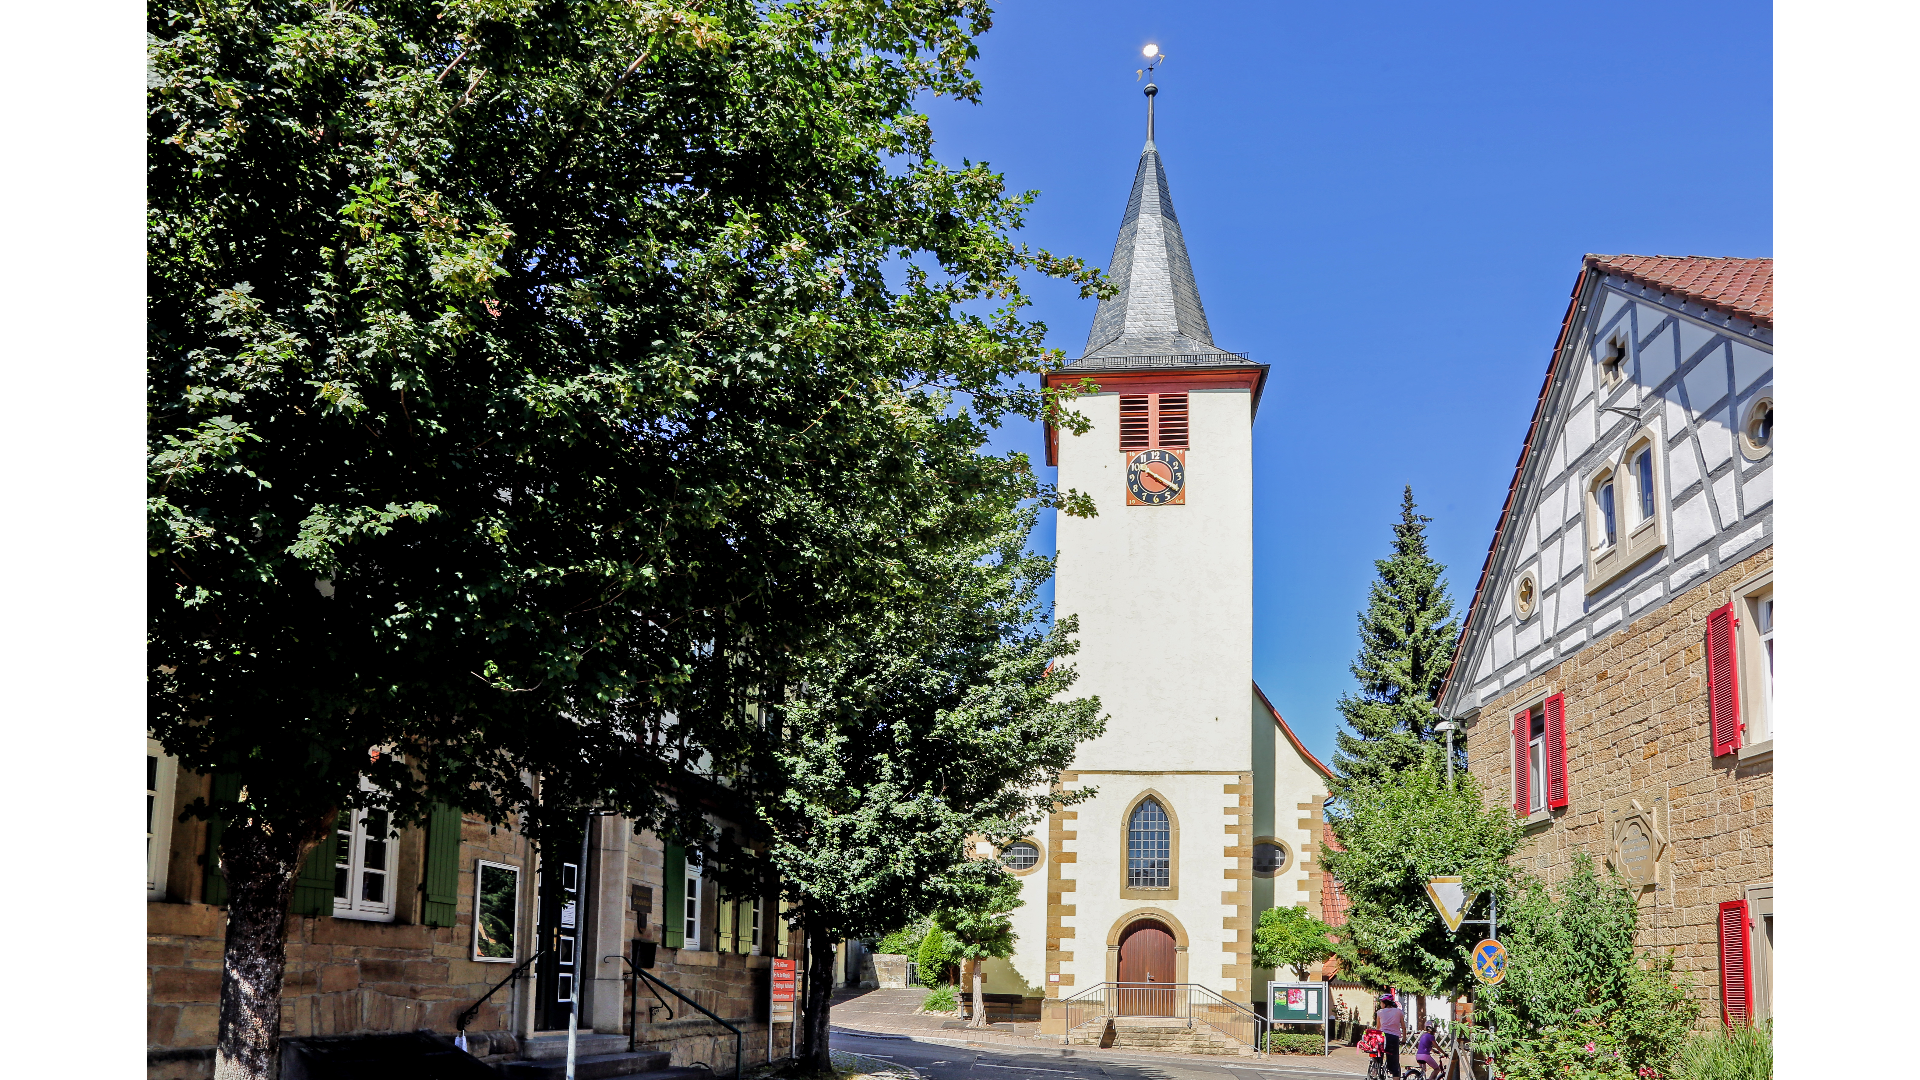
(1149, 847)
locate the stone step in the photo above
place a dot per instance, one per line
(553, 1044)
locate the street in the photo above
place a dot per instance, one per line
(941, 1062)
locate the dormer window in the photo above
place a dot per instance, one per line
(1613, 362)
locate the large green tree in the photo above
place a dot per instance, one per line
(1407, 636)
(933, 724)
(525, 372)
(1392, 838)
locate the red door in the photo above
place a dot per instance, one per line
(1146, 963)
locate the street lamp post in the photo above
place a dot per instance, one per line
(1448, 726)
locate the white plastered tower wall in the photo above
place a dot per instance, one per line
(1166, 641)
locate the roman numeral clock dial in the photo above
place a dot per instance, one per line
(1157, 478)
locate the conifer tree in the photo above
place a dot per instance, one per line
(1407, 636)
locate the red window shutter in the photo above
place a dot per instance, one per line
(1520, 777)
(1556, 710)
(1723, 682)
(1134, 430)
(1736, 966)
(1170, 420)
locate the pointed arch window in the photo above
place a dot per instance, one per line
(1149, 847)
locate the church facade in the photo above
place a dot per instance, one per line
(1207, 808)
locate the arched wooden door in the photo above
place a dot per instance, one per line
(1146, 959)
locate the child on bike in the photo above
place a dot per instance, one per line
(1427, 1066)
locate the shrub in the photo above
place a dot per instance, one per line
(904, 941)
(1586, 1051)
(1293, 1042)
(943, 999)
(1740, 1053)
(934, 957)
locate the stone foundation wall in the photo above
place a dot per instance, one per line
(1637, 731)
(349, 977)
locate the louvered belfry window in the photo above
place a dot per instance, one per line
(1150, 421)
(1149, 847)
(1136, 425)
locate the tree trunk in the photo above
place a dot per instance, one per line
(979, 997)
(815, 1053)
(261, 862)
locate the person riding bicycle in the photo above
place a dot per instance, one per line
(1393, 1025)
(1424, 1061)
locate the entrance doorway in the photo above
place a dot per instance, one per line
(1146, 959)
(561, 920)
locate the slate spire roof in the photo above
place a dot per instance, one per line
(1156, 319)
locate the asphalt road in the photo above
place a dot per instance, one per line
(941, 1062)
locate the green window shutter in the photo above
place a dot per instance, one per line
(443, 866)
(226, 788)
(313, 889)
(673, 909)
(727, 913)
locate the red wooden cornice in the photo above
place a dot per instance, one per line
(1252, 378)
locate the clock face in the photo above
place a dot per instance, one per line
(1156, 478)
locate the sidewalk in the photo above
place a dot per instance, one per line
(896, 1013)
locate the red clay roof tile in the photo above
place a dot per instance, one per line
(1741, 287)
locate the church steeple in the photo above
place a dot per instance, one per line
(1156, 318)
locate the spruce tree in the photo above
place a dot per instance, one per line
(1407, 635)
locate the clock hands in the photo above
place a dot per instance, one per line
(1166, 482)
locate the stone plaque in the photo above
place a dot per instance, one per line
(1637, 846)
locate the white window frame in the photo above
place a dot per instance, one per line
(690, 918)
(159, 818)
(352, 906)
(756, 939)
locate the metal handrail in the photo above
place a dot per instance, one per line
(1104, 1001)
(739, 1037)
(633, 1015)
(473, 1010)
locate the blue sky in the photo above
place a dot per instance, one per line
(1388, 203)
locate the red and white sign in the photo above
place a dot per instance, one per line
(783, 991)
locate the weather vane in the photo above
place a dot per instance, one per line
(1154, 57)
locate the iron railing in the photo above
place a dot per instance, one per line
(1191, 1002)
(473, 1010)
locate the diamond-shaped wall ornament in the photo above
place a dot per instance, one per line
(1638, 845)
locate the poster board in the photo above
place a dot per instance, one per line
(1297, 1002)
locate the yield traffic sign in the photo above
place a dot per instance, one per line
(1450, 895)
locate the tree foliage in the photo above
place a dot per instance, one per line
(1392, 838)
(940, 719)
(523, 373)
(1571, 966)
(980, 925)
(1289, 937)
(1407, 636)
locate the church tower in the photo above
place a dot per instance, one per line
(1207, 808)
